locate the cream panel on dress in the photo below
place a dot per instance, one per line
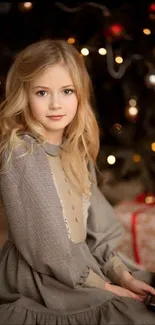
(75, 206)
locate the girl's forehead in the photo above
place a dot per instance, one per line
(56, 74)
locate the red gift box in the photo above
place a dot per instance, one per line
(138, 219)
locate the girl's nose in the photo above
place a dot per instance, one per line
(54, 103)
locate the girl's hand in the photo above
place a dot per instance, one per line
(121, 291)
(139, 287)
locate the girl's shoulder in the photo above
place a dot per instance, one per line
(22, 156)
(25, 145)
(28, 139)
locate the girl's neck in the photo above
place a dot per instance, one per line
(56, 143)
(55, 139)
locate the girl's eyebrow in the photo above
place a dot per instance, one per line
(67, 86)
(44, 87)
(41, 87)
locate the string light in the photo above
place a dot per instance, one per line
(102, 51)
(110, 64)
(136, 158)
(149, 199)
(146, 31)
(152, 7)
(153, 146)
(28, 5)
(25, 6)
(118, 59)
(132, 102)
(150, 79)
(133, 111)
(71, 40)
(84, 51)
(115, 30)
(111, 160)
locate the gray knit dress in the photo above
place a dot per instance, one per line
(45, 276)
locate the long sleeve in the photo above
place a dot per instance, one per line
(94, 280)
(103, 233)
(34, 216)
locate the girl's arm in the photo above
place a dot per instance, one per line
(104, 232)
(35, 221)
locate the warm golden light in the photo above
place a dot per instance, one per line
(118, 59)
(85, 51)
(102, 51)
(136, 158)
(149, 199)
(151, 79)
(146, 31)
(71, 40)
(133, 111)
(153, 146)
(111, 160)
(27, 5)
(23, 6)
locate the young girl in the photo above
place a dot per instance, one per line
(58, 265)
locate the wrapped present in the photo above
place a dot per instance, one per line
(138, 219)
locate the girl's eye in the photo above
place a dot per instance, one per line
(42, 93)
(68, 91)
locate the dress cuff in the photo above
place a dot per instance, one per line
(83, 277)
(94, 280)
(114, 269)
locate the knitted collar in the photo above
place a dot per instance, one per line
(52, 149)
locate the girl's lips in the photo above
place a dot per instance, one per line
(56, 117)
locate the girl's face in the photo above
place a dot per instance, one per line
(53, 101)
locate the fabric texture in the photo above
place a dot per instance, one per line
(75, 211)
(42, 272)
(72, 201)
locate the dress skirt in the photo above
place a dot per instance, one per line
(115, 311)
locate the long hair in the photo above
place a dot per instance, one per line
(82, 134)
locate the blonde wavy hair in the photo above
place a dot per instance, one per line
(82, 134)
